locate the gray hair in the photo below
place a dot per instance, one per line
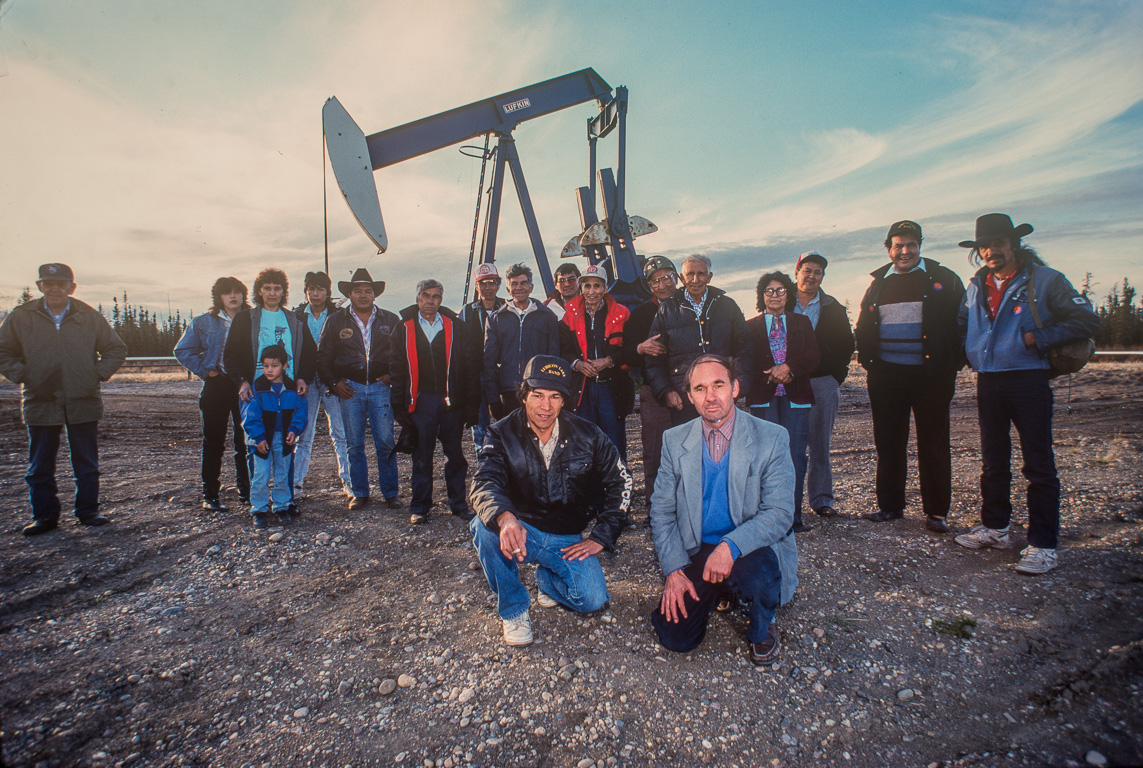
(425, 285)
(696, 257)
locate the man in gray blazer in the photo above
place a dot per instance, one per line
(721, 516)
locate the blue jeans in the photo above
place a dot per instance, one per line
(598, 407)
(1023, 399)
(755, 577)
(823, 414)
(576, 584)
(318, 395)
(483, 419)
(274, 468)
(370, 403)
(43, 447)
(796, 421)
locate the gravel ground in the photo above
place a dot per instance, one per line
(177, 637)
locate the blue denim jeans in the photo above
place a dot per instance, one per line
(796, 421)
(576, 584)
(43, 447)
(754, 577)
(318, 395)
(598, 407)
(370, 404)
(277, 469)
(1022, 399)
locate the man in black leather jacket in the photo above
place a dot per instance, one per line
(542, 472)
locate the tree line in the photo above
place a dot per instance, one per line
(147, 334)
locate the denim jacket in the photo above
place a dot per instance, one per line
(994, 345)
(200, 348)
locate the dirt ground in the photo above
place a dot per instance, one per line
(179, 637)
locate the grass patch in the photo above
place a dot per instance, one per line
(961, 627)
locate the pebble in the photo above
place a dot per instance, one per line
(277, 536)
(586, 762)
(473, 565)
(388, 685)
(174, 610)
(435, 599)
(301, 713)
(1095, 758)
(406, 681)
(789, 740)
(134, 679)
(906, 694)
(323, 538)
(343, 687)
(567, 672)
(466, 696)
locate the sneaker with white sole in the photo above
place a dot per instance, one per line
(1034, 560)
(981, 536)
(518, 631)
(544, 600)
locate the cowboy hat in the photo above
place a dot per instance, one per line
(991, 226)
(361, 277)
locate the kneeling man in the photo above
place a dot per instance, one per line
(541, 477)
(721, 515)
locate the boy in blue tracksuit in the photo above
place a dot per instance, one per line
(273, 419)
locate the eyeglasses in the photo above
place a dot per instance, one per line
(669, 280)
(775, 291)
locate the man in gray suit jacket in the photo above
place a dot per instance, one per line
(721, 516)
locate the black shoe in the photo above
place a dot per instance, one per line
(285, 518)
(293, 510)
(827, 511)
(769, 650)
(94, 520)
(36, 527)
(393, 503)
(466, 515)
(881, 516)
(262, 520)
(358, 502)
(937, 524)
(244, 498)
(801, 527)
(417, 518)
(214, 505)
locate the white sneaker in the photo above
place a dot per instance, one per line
(980, 537)
(518, 631)
(544, 600)
(1034, 560)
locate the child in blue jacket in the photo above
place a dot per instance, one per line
(273, 420)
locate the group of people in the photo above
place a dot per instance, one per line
(546, 388)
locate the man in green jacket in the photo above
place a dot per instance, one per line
(59, 350)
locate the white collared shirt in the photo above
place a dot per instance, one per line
(548, 449)
(366, 328)
(431, 329)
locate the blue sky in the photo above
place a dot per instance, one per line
(156, 146)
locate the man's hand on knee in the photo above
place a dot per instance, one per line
(513, 537)
(718, 565)
(583, 550)
(675, 590)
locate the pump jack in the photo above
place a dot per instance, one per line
(354, 157)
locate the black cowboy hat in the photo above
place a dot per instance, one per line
(991, 226)
(360, 277)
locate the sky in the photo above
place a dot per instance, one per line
(156, 146)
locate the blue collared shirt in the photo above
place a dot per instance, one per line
(813, 310)
(57, 319)
(431, 329)
(893, 270)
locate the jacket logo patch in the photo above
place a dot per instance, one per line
(938, 287)
(346, 333)
(1079, 300)
(1017, 309)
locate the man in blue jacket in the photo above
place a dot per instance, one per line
(1008, 348)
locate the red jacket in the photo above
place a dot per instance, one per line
(575, 318)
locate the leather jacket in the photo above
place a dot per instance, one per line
(341, 351)
(561, 499)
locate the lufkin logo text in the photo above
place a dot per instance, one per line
(513, 106)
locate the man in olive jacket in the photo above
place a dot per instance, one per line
(58, 350)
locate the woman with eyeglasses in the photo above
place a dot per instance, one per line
(785, 354)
